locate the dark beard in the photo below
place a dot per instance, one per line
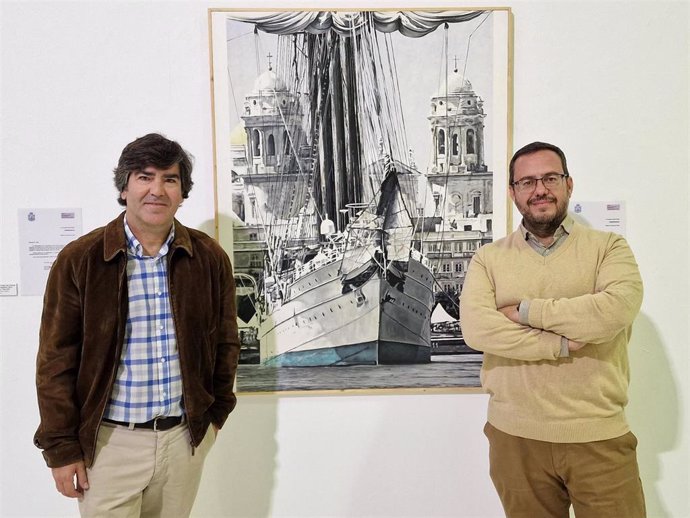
(544, 228)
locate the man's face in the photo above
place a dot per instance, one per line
(541, 208)
(153, 197)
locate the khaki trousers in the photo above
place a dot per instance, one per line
(536, 479)
(144, 473)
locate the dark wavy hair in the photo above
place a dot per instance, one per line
(157, 151)
(533, 148)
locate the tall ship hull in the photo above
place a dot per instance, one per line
(372, 316)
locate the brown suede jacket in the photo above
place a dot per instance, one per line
(83, 328)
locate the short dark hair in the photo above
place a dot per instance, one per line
(157, 151)
(533, 148)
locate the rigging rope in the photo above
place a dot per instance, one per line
(469, 40)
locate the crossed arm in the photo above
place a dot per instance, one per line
(590, 318)
(513, 314)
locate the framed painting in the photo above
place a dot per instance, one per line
(360, 161)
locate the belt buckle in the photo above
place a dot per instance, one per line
(155, 422)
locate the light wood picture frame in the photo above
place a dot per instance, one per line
(360, 160)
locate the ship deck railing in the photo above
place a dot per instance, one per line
(324, 257)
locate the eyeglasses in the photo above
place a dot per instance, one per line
(549, 181)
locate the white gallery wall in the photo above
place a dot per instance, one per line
(607, 81)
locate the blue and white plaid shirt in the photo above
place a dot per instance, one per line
(149, 381)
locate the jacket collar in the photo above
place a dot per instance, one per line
(115, 241)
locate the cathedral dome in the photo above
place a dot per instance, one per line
(269, 81)
(456, 85)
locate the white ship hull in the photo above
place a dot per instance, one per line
(328, 321)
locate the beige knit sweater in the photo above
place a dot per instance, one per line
(589, 290)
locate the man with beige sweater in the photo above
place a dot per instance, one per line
(552, 306)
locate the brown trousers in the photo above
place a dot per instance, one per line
(537, 479)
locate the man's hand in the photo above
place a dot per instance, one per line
(65, 479)
(574, 346)
(511, 312)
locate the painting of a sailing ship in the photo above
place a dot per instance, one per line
(355, 195)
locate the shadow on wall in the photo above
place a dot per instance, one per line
(653, 410)
(238, 477)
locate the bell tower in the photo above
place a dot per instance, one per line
(269, 161)
(459, 211)
(459, 178)
(457, 128)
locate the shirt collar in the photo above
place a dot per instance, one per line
(135, 248)
(565, 228)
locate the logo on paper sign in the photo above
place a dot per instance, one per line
(31, 216)
(578, 208)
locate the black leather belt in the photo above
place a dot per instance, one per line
(159, 424)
